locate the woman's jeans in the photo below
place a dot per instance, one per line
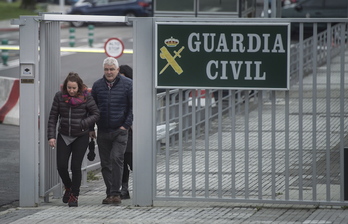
(77, 149)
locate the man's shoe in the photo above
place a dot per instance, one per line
(73, 201)
(106, 200)
(66, 195)
(115, 200)
(125, 195)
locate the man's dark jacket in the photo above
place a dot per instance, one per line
(115, 104)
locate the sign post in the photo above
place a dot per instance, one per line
(114, 47)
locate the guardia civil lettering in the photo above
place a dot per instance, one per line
(212, 42)
(250, 43)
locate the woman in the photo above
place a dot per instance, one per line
(75, 111)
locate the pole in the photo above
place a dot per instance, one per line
(90, 35)
(4, 53)
(72, 37)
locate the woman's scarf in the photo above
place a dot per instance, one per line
(76, 100)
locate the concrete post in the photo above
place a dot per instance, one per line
(143, 106)
(29, 104)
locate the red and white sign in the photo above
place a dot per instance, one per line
(114, 47)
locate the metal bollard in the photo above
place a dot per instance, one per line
(72, 37)
(90, 35)
(4, 53)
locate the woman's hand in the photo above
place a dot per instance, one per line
(52, 142)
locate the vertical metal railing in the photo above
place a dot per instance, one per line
(246, 147)
(49, 77)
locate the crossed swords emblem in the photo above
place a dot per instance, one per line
(171, 60)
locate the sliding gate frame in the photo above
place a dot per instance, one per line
(33, 144)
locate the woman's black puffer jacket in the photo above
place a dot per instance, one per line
(72, 121)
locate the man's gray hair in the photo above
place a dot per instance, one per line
(110, 61)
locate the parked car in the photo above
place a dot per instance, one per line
(283, 3)
(57, 2)
(129, 8)
(316, 9)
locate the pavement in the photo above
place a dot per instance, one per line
(91, 210)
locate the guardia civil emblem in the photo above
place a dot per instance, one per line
(165, 54)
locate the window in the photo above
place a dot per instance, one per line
(313, 3)
(174, 5)
(336, 4)
(218, 5)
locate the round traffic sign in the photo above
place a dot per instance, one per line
(114, 47)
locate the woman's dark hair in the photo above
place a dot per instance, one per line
(73, 77)
(127, 71)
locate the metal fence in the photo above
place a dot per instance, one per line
(255, 146)
(261, 146)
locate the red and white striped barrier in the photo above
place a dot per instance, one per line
(200, 97)
(9, 101)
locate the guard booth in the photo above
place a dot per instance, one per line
(205, 8)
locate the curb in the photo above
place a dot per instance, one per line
(9, 29)
(5, 26)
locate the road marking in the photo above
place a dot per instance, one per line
(64, 51)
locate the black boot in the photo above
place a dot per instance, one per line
(66, 195)
(124, 191)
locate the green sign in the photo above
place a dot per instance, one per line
(225, 56)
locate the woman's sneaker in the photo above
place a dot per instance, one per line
(66, 195)
(73, 201)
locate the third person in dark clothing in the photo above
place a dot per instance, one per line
(127, 71)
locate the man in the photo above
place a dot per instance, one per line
(113, 96)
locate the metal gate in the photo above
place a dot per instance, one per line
(218, 145)
(284, 147)
(40, 67)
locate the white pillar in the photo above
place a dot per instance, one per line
(28, 111)
(144, 150)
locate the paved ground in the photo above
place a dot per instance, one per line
(91, 210)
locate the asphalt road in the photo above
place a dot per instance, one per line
(87, 65)
(9, 165)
